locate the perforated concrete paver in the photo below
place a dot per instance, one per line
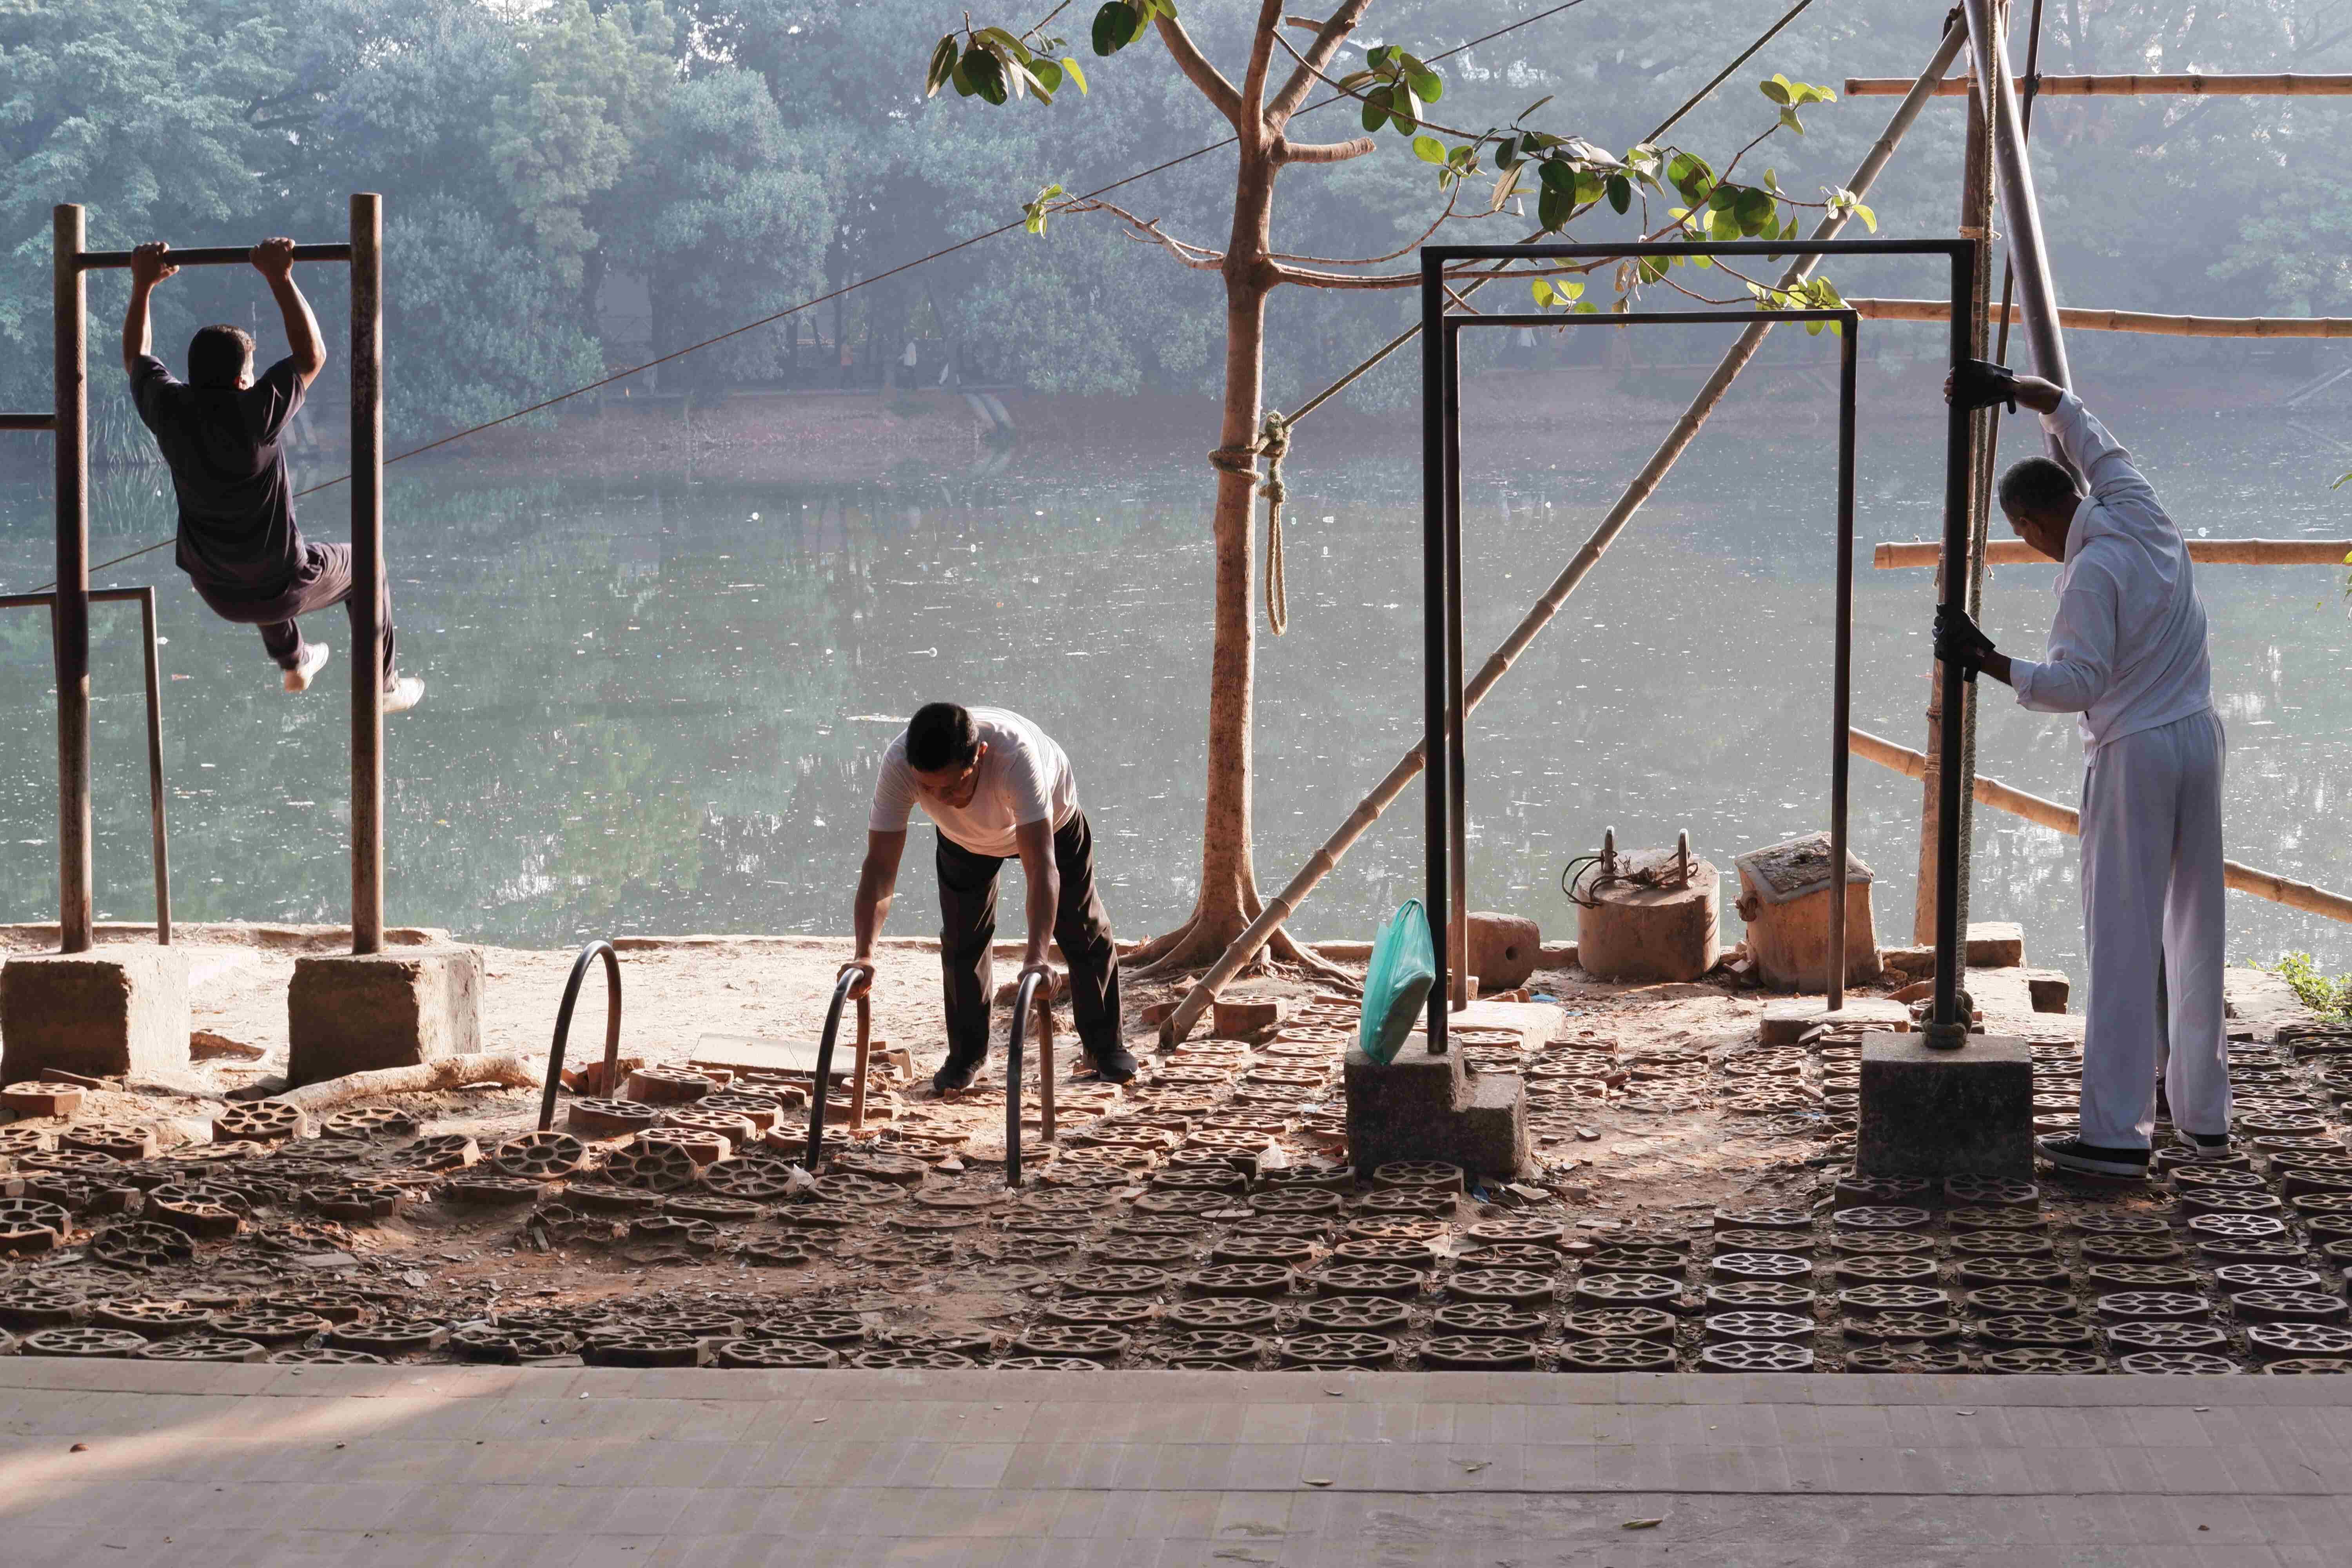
(263, 1467)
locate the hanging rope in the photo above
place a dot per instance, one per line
(1273, 444)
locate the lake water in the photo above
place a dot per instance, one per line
(657, 707)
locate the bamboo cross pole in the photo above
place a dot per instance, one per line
(1283, 905)
(2248, 880)
(2188, 84)
(2145, 321)
(1893, 553)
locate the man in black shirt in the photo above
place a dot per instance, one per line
(218, 431)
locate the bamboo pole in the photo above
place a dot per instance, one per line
(1893, 553)
(2144, 321)
(1283, 905)
(2190, 84)
(2243, 879)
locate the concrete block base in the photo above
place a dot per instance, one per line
(1785, 1023)
(349, 1013)
(119, 1012)
(1967, 1112)
(1424, 1107)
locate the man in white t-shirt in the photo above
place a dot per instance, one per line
(997, 788)
(2128, 653)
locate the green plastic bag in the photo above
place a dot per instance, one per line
(1396, 987)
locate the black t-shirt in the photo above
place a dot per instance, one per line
(237, 510)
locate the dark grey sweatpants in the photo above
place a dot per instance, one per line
(324, 582)
(968, 925)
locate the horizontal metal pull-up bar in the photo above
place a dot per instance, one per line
(2145, 322)
(2205, 551)
(2248, 880)
(213, 255)
(2189, 84)
(28, 421)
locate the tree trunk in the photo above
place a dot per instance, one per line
(1228, 898)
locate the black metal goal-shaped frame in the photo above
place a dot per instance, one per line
(1444, 786)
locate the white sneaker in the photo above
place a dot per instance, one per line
(402, 694)
(314, 659)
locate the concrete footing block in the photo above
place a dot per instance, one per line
(1926, 1113)
(122, 1011)
(349, 1013)
(1424, 1107)
(1785, 1023)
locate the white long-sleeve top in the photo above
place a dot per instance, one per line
(2127, 646)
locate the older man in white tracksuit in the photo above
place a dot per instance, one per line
(2126, 652)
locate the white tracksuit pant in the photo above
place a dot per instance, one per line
(2152, 889)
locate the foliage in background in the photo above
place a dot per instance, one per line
(2330, 997)
(554, 145)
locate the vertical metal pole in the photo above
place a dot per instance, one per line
(1436, 747)
(367, 573)
(1457, 792)
(156, 818)
(1946, 1029)
(2037, 296)
(69, 624)
(1842, 701)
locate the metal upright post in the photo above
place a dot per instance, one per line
(367, 573)
(155, 808)
(1435, 687)
(69, 626)
(1457, 789)
(1946, 1029)
(1841, 703)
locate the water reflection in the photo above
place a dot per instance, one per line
(656, 705)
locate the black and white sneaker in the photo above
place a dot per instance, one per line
(954, 1075)
(2071, 1153)
(1116, 1065)
(2201, 1146)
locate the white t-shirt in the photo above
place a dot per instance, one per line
(1023, 778)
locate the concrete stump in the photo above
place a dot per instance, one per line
(1641, 934)
(350, 1013)
(119, 1013)
(1926, 1113)
(1784, 897)
(1424, 1107)
(1503, 950)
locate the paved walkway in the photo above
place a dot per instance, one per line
(261, 1465)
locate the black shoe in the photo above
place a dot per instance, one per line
(2071, 1153)
(1116, 1065)
(955, 1076)
(2199, 1146)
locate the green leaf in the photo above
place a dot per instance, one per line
(1429, 149)
(1555, 207)
(1538, 103)
(1557, 173)
(1776, 88)
(1426, 84)
(1376, 110)
(987, 73)
(1789, 118)
(1507, 152)
(1569, 289)
(1544, 297)
(1868, 217)
(943, 61)
(1589, 187)
(1047, 75)
(1405, 108)
(1754, 210)
(1116, 26)
(1620, 192)
(1070, 68)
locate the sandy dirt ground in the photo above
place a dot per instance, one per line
(1656, 1113)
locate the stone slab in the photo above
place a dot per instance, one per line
(1992, 945)
(2261, 1000)
(130, 1462)
(1535, 1023)
(120, 1012)
(1784, 1023)
(744, 1053)
(1927, 1112)
(347, 1013)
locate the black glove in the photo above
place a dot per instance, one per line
(1958, 640)
(1981, 383)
